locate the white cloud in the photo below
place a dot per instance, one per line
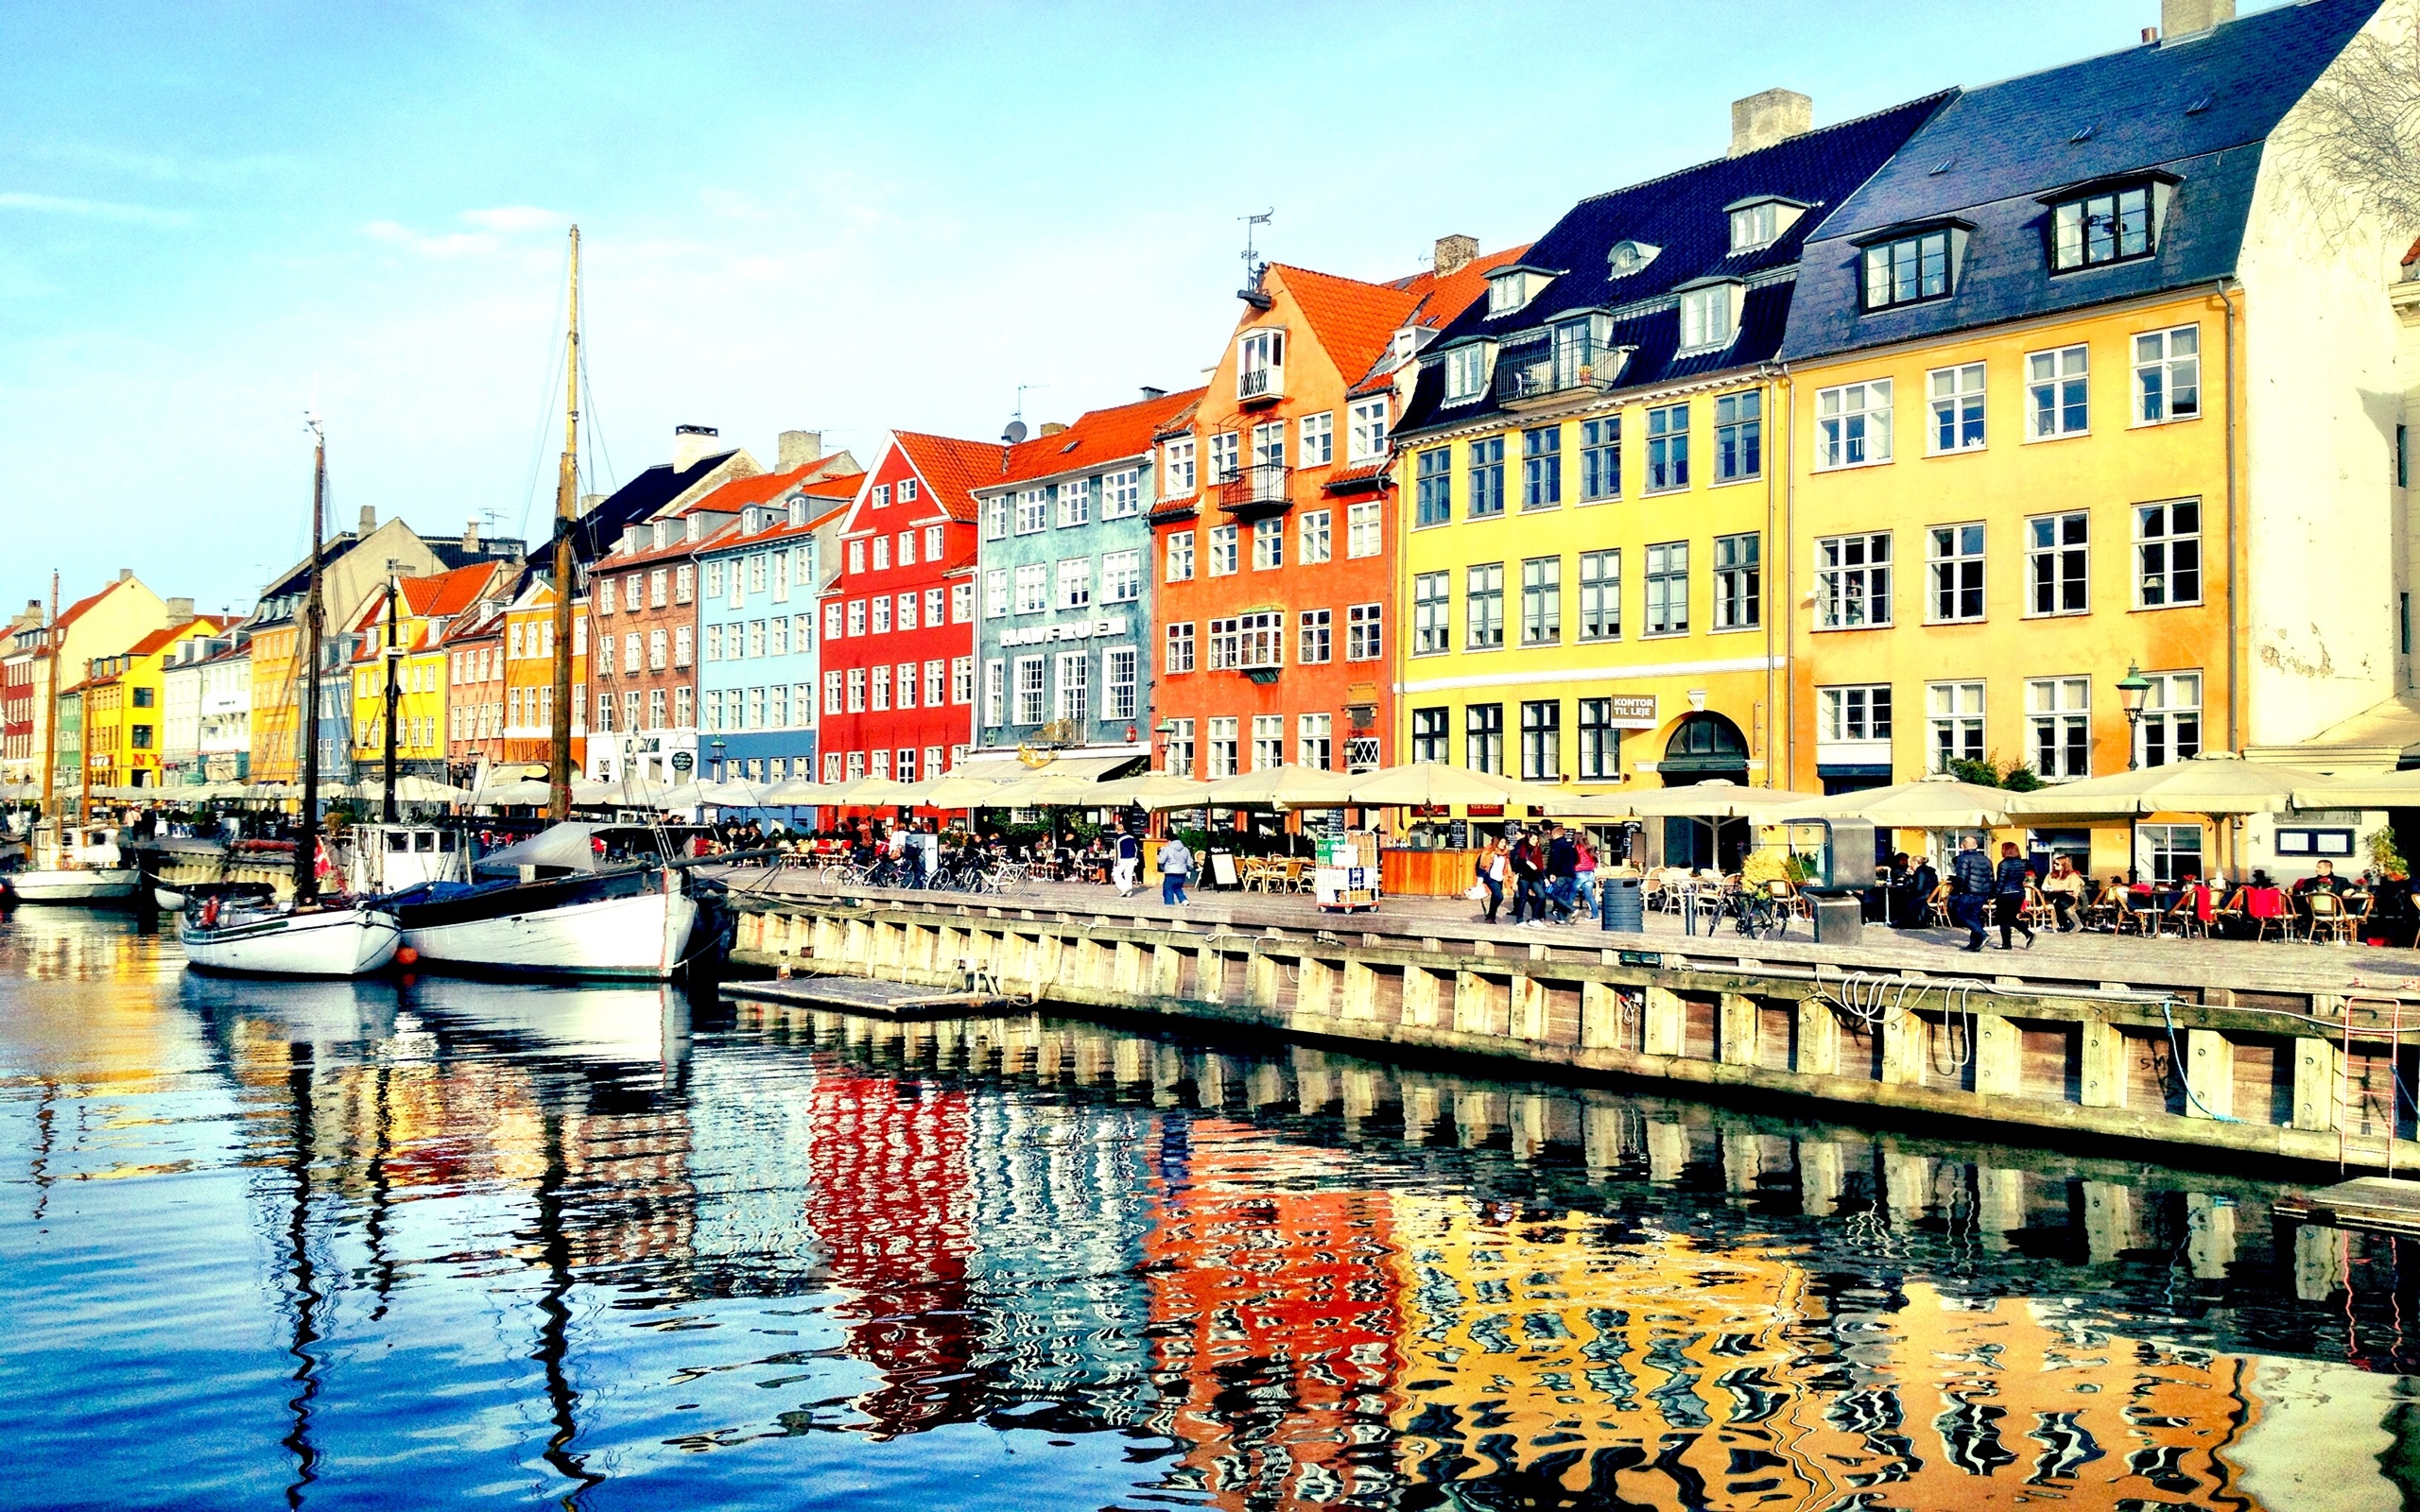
(94, 209)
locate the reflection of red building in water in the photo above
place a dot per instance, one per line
(892, 1206)
(1274, 1314)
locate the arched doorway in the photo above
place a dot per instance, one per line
(1704, 748)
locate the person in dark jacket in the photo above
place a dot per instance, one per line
(1970, 889)
(1563, 874)
(1528, 895)
(2008, 896)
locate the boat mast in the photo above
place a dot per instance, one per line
(50, 727)
(566, 514)
(306, 846)
(386, 808)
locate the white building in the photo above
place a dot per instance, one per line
(223, 740)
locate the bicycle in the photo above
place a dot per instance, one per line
(1757, 914)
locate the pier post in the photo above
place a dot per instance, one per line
(1360, 998)
(2209, 1071)
(1999, 1062)
(2315, 1084)
(1315, 994)
(1266, 979)
(1819, 1040)
(1419, 1109)
(1601, 1137)
(1600, 1016)
(1903, 1050)
(1526, 1009)
(1735, 1040)
(2209, 1243)
(1667, 1022)
(1128, 982)
(1360, 1095)
(2104, 1065)
(1168, 970)
(1474, 1004)
(1421, 993)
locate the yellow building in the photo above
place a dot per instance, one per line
(2077, 413)
(413, 635)
(123, 702)
(99, 624)
(1591, 486)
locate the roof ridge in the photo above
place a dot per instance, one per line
(1934, 98)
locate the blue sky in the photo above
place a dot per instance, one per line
(847, 217)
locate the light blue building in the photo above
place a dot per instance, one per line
(1064, 622)
(757, 634)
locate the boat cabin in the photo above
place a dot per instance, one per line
(390, 857)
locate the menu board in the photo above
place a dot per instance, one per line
(1346, 877)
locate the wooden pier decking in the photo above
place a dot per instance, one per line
(2191, 1051)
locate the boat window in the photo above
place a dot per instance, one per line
(424, 840)
(398, 841)
(445, 841)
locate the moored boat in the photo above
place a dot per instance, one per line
(86, 870)
(332, 939)
(548, 908)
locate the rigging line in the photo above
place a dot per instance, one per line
(545, 406)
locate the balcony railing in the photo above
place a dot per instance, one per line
(1263, 488)
(1260, 383)
(1544, 366)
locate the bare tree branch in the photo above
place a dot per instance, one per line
(2354, 143)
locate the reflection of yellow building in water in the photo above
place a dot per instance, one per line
(1671, 1373)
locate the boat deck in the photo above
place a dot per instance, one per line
(854, 994)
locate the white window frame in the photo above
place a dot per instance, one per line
(1367, 439)
(1029, 687)
(1954, 723)
(1709, 315)
(1853, 425)
(2058, 726)
(1852, 579)
(1074, 503)
(995, 692)
(1033, 512)
(1121, 577)
(1121, 493)
(1365, 633)
(2168, 363)
(1315, 438)
(1853, 713)
(1178, 558)
(2058, 384)
(1178, 654)
(2164, 546)
(1954, 568)
(1225, 550)
(1032, 581)
(1073, 583)
(2052, 561)
(1074, 687)
(1363, 534)
(1177, 467)
(1315, 637)
(1269, 544)
(1954, 397)
(1317, 542)
(1120, 678)
(1315, 742)
(2175, 698)
(1268, 742)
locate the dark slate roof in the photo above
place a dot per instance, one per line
(1991, 154)
(600, 529)
(1682, 215)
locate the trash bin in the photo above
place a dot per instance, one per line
(1839, 919)
(1624, 904)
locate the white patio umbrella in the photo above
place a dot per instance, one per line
(1932, 803)
(1043, 792)
(2382, 790)
(1428, 784)
(409, 789)
(2214, 783)
(1274, 787)
(1155, 791)
(526, 793)
(1718, 799)
(799, 792)
(947, 792)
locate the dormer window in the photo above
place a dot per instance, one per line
(2110, 225)
(1466, 372)
(1757, 223)
(1628, 257)
(1509, 288)
(1709, 315)
(798, 511)
(1260, 364)
(1911, 264)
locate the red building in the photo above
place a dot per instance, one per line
(1275, 596)
(898, 667)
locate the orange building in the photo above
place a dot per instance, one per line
(529, 676)
(475, 689)
(1274, 538)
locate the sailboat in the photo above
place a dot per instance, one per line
(81, 862)
(307, 937)
(550, 905)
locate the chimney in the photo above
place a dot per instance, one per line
(799, 449)
(588, 502)
(1051, 427)
(1454, 253)
(125, 574)
(1150, 393)
(692, 444)
(470, 538)
(369, 521)
(180, 612)
(1776, 115)
(2180, 18)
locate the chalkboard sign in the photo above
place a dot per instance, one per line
(1458, 835)
(1323, 824)
(1135, 819)
(1222, 870)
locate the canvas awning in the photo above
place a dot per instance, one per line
(564, 846)
(2212, 783)
(1933, 803)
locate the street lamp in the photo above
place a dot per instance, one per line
(716, 746)
(2132, 689)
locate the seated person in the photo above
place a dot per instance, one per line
(2064, 889)
(2326, 881)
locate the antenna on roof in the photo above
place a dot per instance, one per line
(1015, 431)
(1253, 266)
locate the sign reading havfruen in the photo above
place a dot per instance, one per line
(1070, 630)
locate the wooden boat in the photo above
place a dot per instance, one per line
(86, 870)
(334, 939)
(307, 937)
(548, 907)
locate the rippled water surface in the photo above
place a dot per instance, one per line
(444, 1241)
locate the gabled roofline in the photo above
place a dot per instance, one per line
(2125, 178)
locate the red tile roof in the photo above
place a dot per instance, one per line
(75, 611)
(953, 468)
(842, 485)
(1098, 436)
(159, 640)
(740, 493)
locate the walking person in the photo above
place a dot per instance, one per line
(2008, 896)
(1970, 887)
(1562, 874)
(1495, 864)
(1130, 859)
(1176, 864)
(1585, 872)
(1529, 898)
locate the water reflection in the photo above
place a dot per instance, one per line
(451, 1241)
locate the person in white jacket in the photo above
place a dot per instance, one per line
(1130, 859)
(1176, 866)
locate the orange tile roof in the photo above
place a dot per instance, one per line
(75, 611)
(842, 485)
(954, 467)
(1098, 435)
(1354, 322)
(159, 640)
(448, 594)
(740, 493)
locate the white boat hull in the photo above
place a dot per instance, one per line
(338, 943)
(646, 934)
(168, 898)
(83, 885)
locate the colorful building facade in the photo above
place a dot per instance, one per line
(529, 678)
(1065, 638)
(898, 652)
(763, 557)
(1592, 489)
(1274, 556)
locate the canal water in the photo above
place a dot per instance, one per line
(443, 1241)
